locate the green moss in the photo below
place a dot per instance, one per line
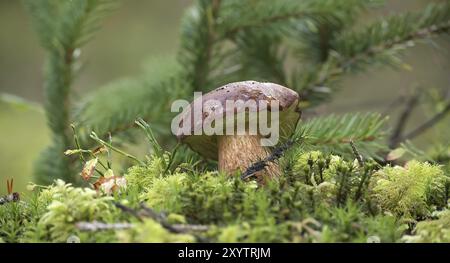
(323, 198)
(437, 230)
(204, 198)
(247, 232)
(68, 206)
(410, 192)
(164, 193)
(12, 221)
(351, 224)
(142, 177)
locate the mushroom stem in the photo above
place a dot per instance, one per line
(238, 152)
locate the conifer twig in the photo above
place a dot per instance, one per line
(128, 210)
(176, 228)
(276, 154)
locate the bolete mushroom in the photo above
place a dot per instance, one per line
(237, 150)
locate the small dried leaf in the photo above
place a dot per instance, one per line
(109, 185)
(89, 169)
(395, 154)
(99, 182)
(99, 150)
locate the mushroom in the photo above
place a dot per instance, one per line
(236, 151)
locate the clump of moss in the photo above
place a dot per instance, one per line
(247, 212)
(143, 176)
(350, 224)
(207, 197)
(322, 198)
(311, 167)
(333, 179)
(410, 192)
(17, 218)
(432, 231)
(11, 223)
(68, 206)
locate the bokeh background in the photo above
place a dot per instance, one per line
(142, 29)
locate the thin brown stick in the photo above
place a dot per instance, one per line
(411, 103)
(394, 104)
(427, 125)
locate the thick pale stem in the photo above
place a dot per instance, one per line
(238, 152)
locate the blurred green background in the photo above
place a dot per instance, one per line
(142, 29)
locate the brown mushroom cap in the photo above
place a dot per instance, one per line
(246, 90)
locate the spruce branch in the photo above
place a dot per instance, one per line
(276, 154)
(392, 34)
(333, 133)
(63, 27)
(239, 16)
(115, 107)
(260, 57)
(71, 26)
(197, 39)
(380, 42)
(210, 24)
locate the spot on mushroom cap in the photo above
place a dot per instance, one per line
(238, 91)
